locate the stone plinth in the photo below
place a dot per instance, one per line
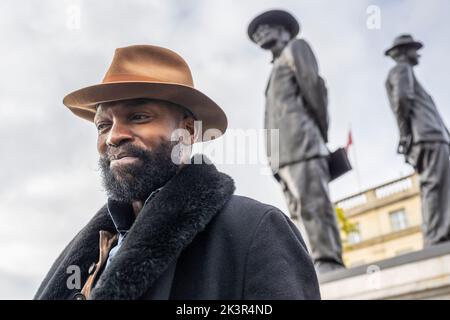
(423, 274)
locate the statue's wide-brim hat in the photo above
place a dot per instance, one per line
(146, 71)
(404, 40)
(274, 17)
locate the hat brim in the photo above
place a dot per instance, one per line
(274, 17)
(415, 44)
(83, 102)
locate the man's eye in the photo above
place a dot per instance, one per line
(101, 126)
(139, 117)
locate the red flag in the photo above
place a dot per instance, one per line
(349, 141)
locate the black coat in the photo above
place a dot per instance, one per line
(194, 240)
(417, 115)
(297, 106)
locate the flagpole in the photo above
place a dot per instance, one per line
(358, 178)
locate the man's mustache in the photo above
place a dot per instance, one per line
(129, 150)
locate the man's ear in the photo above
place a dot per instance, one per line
(188, 124)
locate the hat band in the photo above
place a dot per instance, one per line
(133, 77)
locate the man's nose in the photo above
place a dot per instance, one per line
(118, 134)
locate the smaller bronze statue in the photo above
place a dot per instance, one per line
(424, 138)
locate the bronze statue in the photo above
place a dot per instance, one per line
(424, 138)
(296, 104)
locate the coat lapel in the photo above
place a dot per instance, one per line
(75, 260)
(166, 226)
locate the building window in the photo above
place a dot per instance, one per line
(354, 236)
(398, 220)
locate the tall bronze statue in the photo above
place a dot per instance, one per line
(296, 104)
(424, 138)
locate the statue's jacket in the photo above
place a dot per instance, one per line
(413, 107)
(288, 111)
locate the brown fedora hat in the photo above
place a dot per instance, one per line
(145, 71)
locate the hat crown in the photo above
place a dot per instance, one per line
(148, 63)
(403, 39)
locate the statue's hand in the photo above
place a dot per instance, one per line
(405, 144)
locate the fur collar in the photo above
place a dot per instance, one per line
(166, 226)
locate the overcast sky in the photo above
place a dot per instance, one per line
(50, 182)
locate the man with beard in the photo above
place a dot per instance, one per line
(171, 229)
(424, 138)
(296, 105)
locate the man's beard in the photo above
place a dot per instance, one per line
(136, 181)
